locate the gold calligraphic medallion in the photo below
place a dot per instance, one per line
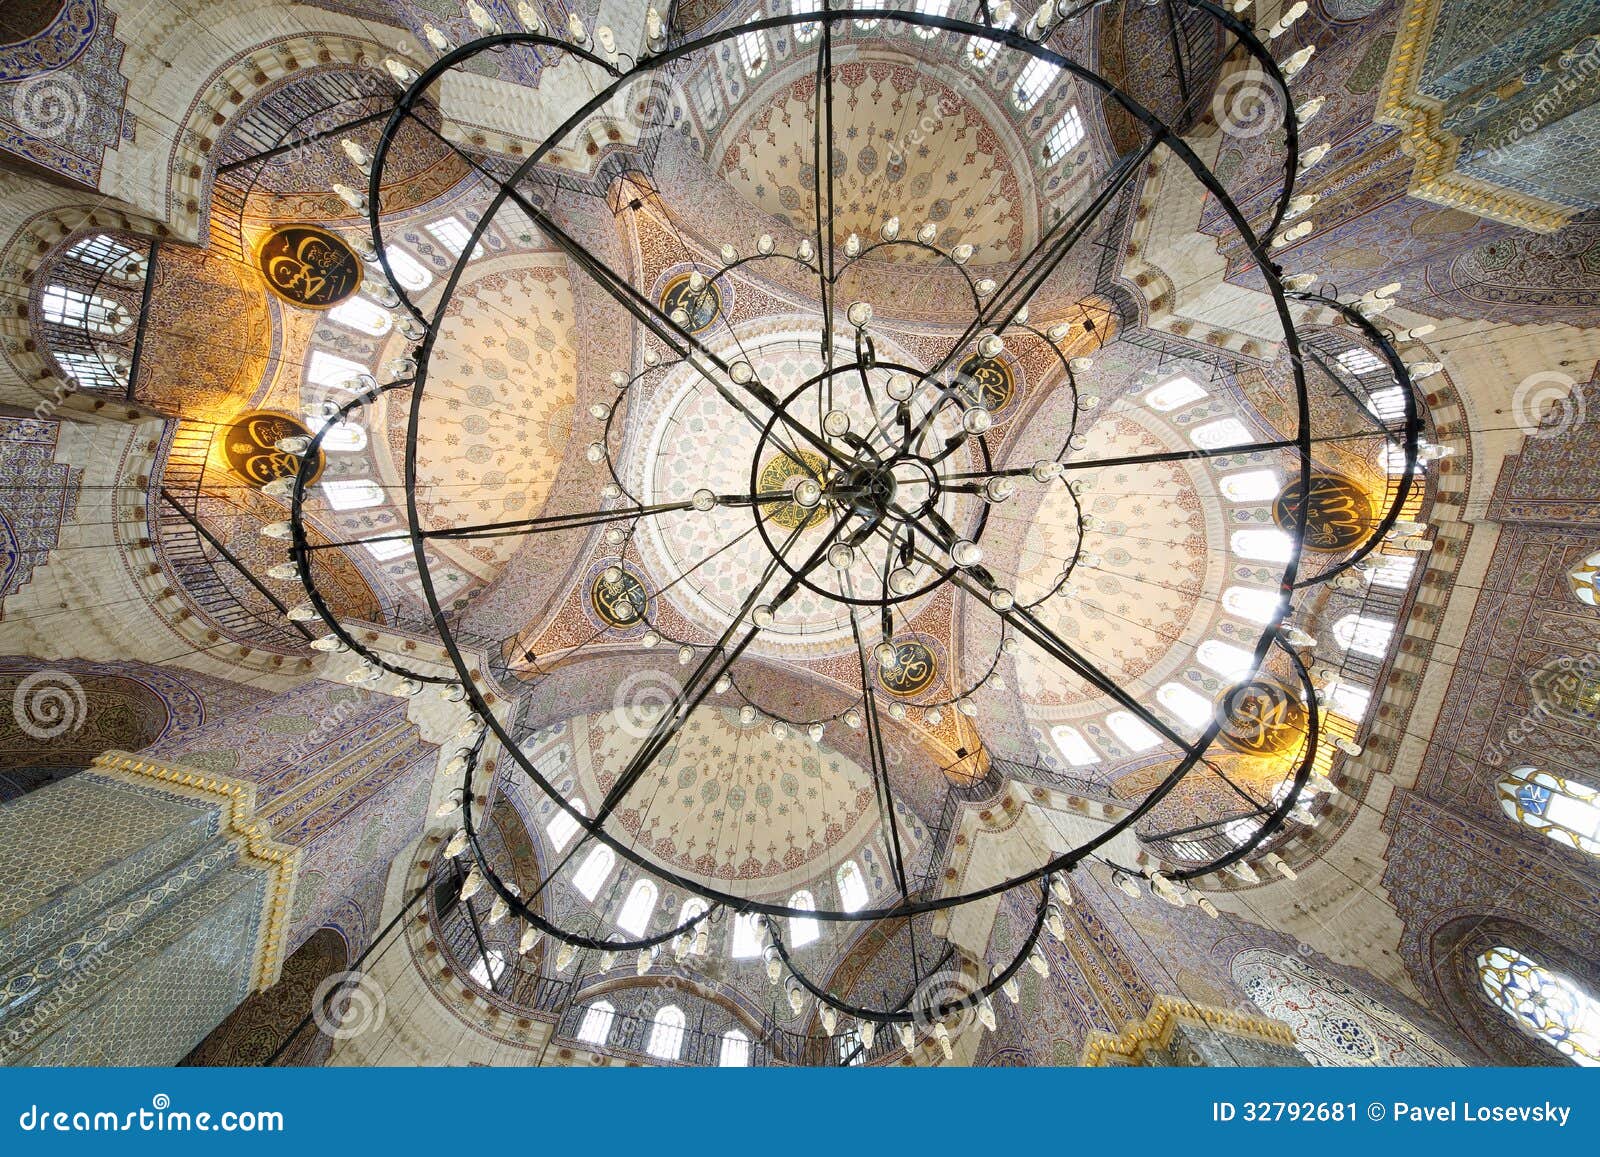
(250, 447)
(780, 473)
(621, 603)
(987, 381)
(915, 668)
(702, 306)
(1338, 514)
(309, 266)
(1261, 718)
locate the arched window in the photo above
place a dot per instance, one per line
(325, 369)
(489, 968)
(1033, 82)
(1364, 635)
(1349, 700)
(1566, 811)
(1064, 136)
(364, 315)
(1073, 746)
(561, 829)
(102, 252)
(1216, 435)
(596, 1026)
(1259, 606)
(1225, 659)
(1263, 545)
(753, 48)
(802, 929)
(352, 493)
(666, 1033)
(593, 872)
(99, 315)
(746, 937)
(1131, 731)
(1359, 361)
(1584, 579)
(981, 51)
(1543, 1004)
(638, 908)
(408, 271)
(1394, 571)
(805, 33)
(735, 1051)
(931, 8)
(866, 25)
(1188, 706)
(1250, 486)
(692, 907)
(852, 887)
(453, 234)
(1174, 392)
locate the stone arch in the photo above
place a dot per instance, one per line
(267, 1021)
(1452, 977)
(66, 713)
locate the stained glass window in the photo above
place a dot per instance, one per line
(1544, 1004)
(1566, 811)
(1585, 579)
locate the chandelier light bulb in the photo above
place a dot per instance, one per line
(481, 20)
(762, 616)
(891, 229)
(402, 72)
(1088, 401)
(976, 420)
(780, 729)
(498, 911)
(437, 40)
(999, 489)
(565, 956)
(651, 357)
(985, 287)
(304, 613)
(530, 938)
(457, 844)
(764, 244)
(927, 233)
(852, 719)
(859, 313)
(868, 1031)
(900, 386)
(897, 710)
(852, 246)
(807, 493)
(650, 639)
(797, 995)
(967, 707)
(1045, 469)
(741, 372)
(530, 18)
(908, 1036)
(697, 281)
(841, 555)
(608, 959)
(722, 684)
(966, 553)
(887, 655)
(902, 580)
(836, 423)
(595, 452)
(575, 28)
(279, 530)
(986, 1015)
(615, 535)
(774, 963)
(328, 643)
(805, 251)
(1001, 599)
(991, 345)
(1294, 64)
(613, 574)
(357, 155)
(600, 411)
(1055, 922)
(704, 500)
(933, 716)
(814, 732)
(472, 885)
(685, 655)
(829, 1018)
(679, 316)
(729, 254)
(961, 254)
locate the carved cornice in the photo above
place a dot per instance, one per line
(236, 800)
(1166, 1014)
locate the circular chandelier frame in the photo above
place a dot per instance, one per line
(975, 581)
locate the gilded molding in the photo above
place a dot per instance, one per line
(252, 836)
(1433, 149)
(1165, 1015)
